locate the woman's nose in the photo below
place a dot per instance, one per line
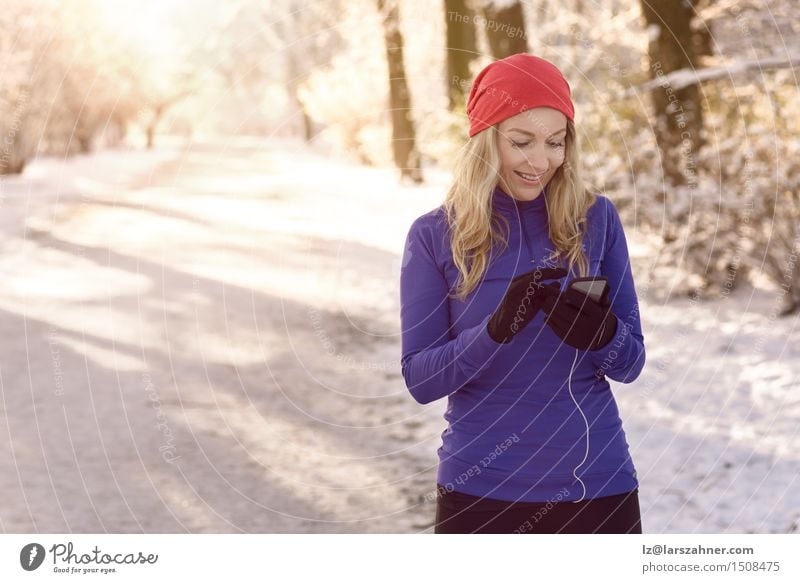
(537, 160)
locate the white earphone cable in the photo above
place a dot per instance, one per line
(586, 421)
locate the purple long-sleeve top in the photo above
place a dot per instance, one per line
(514, 431)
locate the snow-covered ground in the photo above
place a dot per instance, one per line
(207, 340)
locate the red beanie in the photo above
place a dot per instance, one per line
(513, 85)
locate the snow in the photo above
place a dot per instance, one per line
(684, 77)
(207, 340)
(653, 32)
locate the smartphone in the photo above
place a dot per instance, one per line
(595, 286)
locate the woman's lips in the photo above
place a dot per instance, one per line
(532, 178)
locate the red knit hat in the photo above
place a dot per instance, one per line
(513, 85)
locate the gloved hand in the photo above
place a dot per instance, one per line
(521, 302)
(577, 319)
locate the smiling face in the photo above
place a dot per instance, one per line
(532, 147)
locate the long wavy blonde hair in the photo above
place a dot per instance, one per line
(475, 228)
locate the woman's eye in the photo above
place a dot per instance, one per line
(523, 144)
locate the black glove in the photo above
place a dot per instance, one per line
(520, 304)
(577, 319)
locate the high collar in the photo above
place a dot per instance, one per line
(506, 204)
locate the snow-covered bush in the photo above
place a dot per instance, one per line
(738, 216)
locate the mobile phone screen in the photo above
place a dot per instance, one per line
(593, 288)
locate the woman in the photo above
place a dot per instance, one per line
(534, 441)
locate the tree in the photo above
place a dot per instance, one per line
(406, 156)
(63, 79)
(257, 43)
(462, 49)
(678, 113)
(505, 27)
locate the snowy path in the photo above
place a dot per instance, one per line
(207, 341)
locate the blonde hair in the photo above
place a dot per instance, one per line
(474, 228)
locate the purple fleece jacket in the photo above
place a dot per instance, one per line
(514, 431)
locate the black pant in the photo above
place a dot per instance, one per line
(460, 513)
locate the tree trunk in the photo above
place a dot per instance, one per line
(11, 165)
(296, 77)
(462, 49)
(505, 29)
(406, 156)
(677, 112)
(85, 141)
